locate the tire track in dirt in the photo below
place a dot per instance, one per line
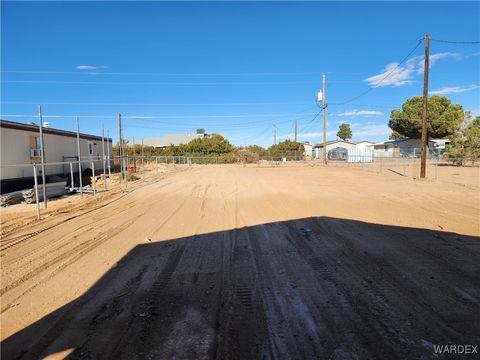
(82, 211)
(39, 252)
(43, 248)
(70, 257)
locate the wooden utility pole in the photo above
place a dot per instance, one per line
(423, 160)
(274, 134)
(324, 94)
(295, 130)
(120, 142)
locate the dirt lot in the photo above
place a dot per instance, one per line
(232, 262)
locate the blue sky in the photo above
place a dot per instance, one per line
(231, 68)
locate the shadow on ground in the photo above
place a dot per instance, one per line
(310, 288)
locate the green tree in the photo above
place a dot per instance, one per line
(443, 118)
(344, 132)
(213, 144)
(286, 148)
(256, 149)
(465, 143)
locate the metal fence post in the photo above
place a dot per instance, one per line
(103, 158)
(126, 172)
(93, 180)
(37, 202)
(79, 159)
(42, 157)
(108, 156)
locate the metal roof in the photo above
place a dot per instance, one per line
(333, 142)
(48, 130)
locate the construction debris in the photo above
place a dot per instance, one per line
(15, 197)
(27, 196)
(53, 190)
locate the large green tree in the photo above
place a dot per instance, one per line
(213, 144)
(443, 117)
(286, 148)
(465, 143)
(344, 132)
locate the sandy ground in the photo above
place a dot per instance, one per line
(234, 262)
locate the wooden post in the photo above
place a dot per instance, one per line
(324, 80)
(423, 160)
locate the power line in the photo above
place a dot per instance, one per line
(310, 122)
(146, 117)
(100, 72)
(151, 104)
(97, 72)
(218, 83)
(188, 104)
(386, 76)
(455, 42)
(159, 83)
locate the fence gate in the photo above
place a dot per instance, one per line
(360, 156)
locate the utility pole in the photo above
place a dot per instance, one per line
(42, 155)
(274, 134)
(120, 143)
(295, 130)
(324, 80)
(423, 160)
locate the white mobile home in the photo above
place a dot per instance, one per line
(333, 144)
(20, 145)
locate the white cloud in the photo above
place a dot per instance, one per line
(434, 58)
(90, 67)
(361, 113)
(453, 89)
(397, 75)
